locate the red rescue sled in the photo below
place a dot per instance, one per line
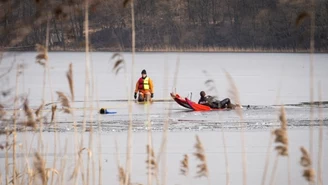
(177, 98)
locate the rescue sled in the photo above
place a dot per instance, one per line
(181, 101)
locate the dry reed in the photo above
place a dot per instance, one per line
(88, 88)
(122, 177)
(210, 83)
(184, 169)
(99, 139)
(38, 111)
(281, 138)
(305, 159)
(129, 136)
(18, 73)
(88, 150)
(282, 150)
(225, 157)
(42, 56)
(30, 116)
(39, 165)
(312, 49)
(151, 161)
(2, 112)
(5, 145)
(126, 2)
(301, 17)
(306, 163)
(53, 112)
(69, 76)
(200, 155)
(121, 172)
(234, 94)
(320, 152)
(119, 63)
(64, 102)
(162, 149)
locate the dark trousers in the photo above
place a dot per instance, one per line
(222, 104)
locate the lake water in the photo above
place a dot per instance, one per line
(262, 81)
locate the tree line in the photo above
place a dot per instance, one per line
(249, 24)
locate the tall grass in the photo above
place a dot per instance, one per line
(320, 152)
(210, 83)
(234, 93)
(129, 137)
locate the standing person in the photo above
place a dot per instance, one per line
(144, 87)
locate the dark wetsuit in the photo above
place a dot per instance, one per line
(203, 100)
(215, 103)
(225, 103)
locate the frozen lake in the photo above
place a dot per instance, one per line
(263, 79)
(259, 77)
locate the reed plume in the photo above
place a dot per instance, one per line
(122, 176)
(48, 170)
(301, 17)
(53, 111)
(39, 165)
(40, 170)
(30, 115)
(2, 112)
(309, 174)
(281, 138)
(320, 152)
(5, 145)
(200, 155)
(210, 84)
(119, 63)
(69, 76)
(42, 54)
(5, 92)
(281, 134)
(38, 111)
(64, 102)
(184, 169)
(88, 150)
(306, 162)
(126, 2)
(79, 163)
(234, 94)
(151, 161)
(305, 159)
(282, 118)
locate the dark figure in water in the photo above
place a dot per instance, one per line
(213, 102)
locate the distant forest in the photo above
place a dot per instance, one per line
(159, 24)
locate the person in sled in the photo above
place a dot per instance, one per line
(144, 87)
(212, 102)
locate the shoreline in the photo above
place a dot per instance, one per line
(209, 52)
(173, 50)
